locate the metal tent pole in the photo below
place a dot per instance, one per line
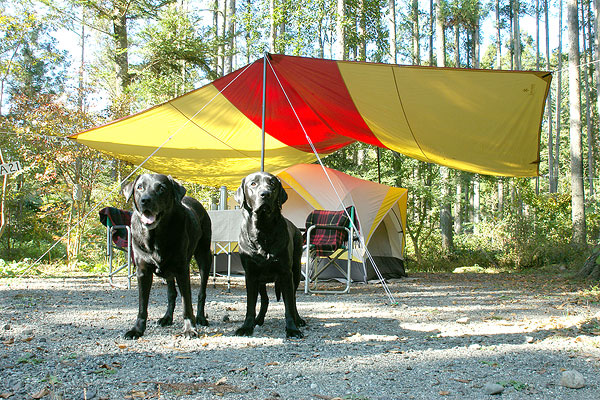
(264, 106)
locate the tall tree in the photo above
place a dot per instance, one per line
(516, 6)
(586, 69)
(392, 30)
(230, 27)
(445, 203)
(577, 191)
(552, 187)
(556, 173)
(414, 14)
(340, 31)
(440, 35)
(498, 37)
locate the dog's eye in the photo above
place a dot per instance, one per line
(160, 189)
(140, 186)
(253, 184)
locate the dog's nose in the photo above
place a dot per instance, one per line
(264, 194)
(144, 200)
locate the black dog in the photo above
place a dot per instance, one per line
(167, 228)
(270, 249)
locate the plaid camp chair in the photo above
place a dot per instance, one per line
(118, 236)
(329, 236)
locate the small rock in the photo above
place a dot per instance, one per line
(572, 379)
(226, 318)
(529, 339)
(463, 320)
(43, 340)
(493, 388)
(475, 346)
(313, 386)
(28, 332)
(88, 394)
(6, 327)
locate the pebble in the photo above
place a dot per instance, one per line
(572, 379)
(7, 327)
(463, 320)
(88, 394)
(493, 388)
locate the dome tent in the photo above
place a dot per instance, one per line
(380, 210)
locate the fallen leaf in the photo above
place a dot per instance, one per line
(6, 395)
(9, 341)
(221, 381)
(272, 363)
(28, 339)
(43, 392)
(463, 380)
(444, 393)
(136, 394)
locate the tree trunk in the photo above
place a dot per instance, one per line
(272, 27)
(498, 37)
(588, 106)
(458, 205)
(362, 31)
(517, 34)
(341, 53)
(230, 31)
(537, 34)
(556, 173)
(577, 194)
(431, 25)
(121, 61)
(416, 51)
(551, 185)
(476, 47)
(500, 197)
(597, 54)
(476, 205)
(392, 31)
(215, 9)
(440, 37)
(457, 44)
(591, 267)
(445, 209)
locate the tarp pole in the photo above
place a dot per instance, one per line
(264, 106)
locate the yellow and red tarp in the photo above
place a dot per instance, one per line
(483, 121)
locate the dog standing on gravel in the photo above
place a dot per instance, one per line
(167, 229)
(270, 249)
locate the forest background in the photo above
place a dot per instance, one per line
(69, 65)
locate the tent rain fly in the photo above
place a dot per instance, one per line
(482, 121)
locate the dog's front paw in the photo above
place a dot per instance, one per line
(201, 320)
(189, 331)
(133, 334)
(293, 333)
(167, 320)
(244, 331)
(300, 322)
(260, 320)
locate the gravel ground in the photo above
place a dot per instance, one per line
(450, 336)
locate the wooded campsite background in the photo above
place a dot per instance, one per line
(123, 56)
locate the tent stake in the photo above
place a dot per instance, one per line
(264, 106)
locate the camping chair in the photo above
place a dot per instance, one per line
(118, 236)
(330, 235)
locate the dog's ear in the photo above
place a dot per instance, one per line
(178, 189)
(282, 196)
(239, 195)
(127, 189)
